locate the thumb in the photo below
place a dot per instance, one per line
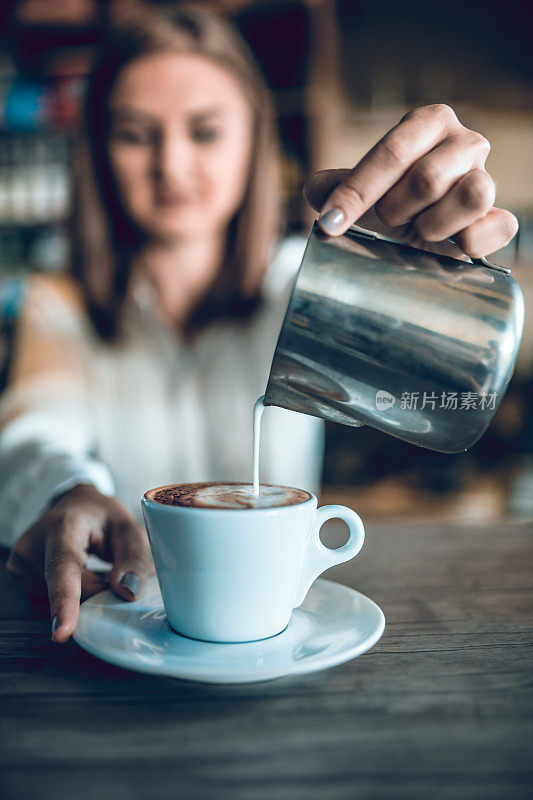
(132, 559)
(320, 184)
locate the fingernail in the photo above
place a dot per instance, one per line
(131, 582)
(56, 622)
(331, 220)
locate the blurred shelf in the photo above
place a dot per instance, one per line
(481, 499)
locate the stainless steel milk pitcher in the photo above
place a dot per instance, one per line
(418, 345)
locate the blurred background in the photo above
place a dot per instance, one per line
(342, 73)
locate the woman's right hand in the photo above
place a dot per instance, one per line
(53, 551)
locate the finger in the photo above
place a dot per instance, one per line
(132, 559)
(486, 235)
(319, 185)
(93, 582)
(63, 566)
(469, 200)
(432, 177)
(414, 136)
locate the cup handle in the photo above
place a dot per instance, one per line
(318, 557)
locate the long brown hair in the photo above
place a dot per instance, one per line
(104, 239)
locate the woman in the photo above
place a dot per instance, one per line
(142, 366)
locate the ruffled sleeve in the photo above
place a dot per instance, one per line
(46, 431)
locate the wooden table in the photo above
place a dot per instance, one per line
(439, 708)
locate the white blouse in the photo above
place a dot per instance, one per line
(147, 412)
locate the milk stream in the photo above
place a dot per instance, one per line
(258, 413)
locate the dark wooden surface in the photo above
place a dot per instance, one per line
(439, 708)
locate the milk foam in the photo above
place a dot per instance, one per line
(231, 496)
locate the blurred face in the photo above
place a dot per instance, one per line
(179, 144)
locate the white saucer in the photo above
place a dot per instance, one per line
(334, 624)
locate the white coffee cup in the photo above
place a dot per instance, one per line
(235, 575)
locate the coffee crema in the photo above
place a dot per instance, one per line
(227, 495)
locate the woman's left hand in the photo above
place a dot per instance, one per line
(424, 182)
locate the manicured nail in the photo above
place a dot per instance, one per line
(56, 622)
(131, 582)
(331, 220)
